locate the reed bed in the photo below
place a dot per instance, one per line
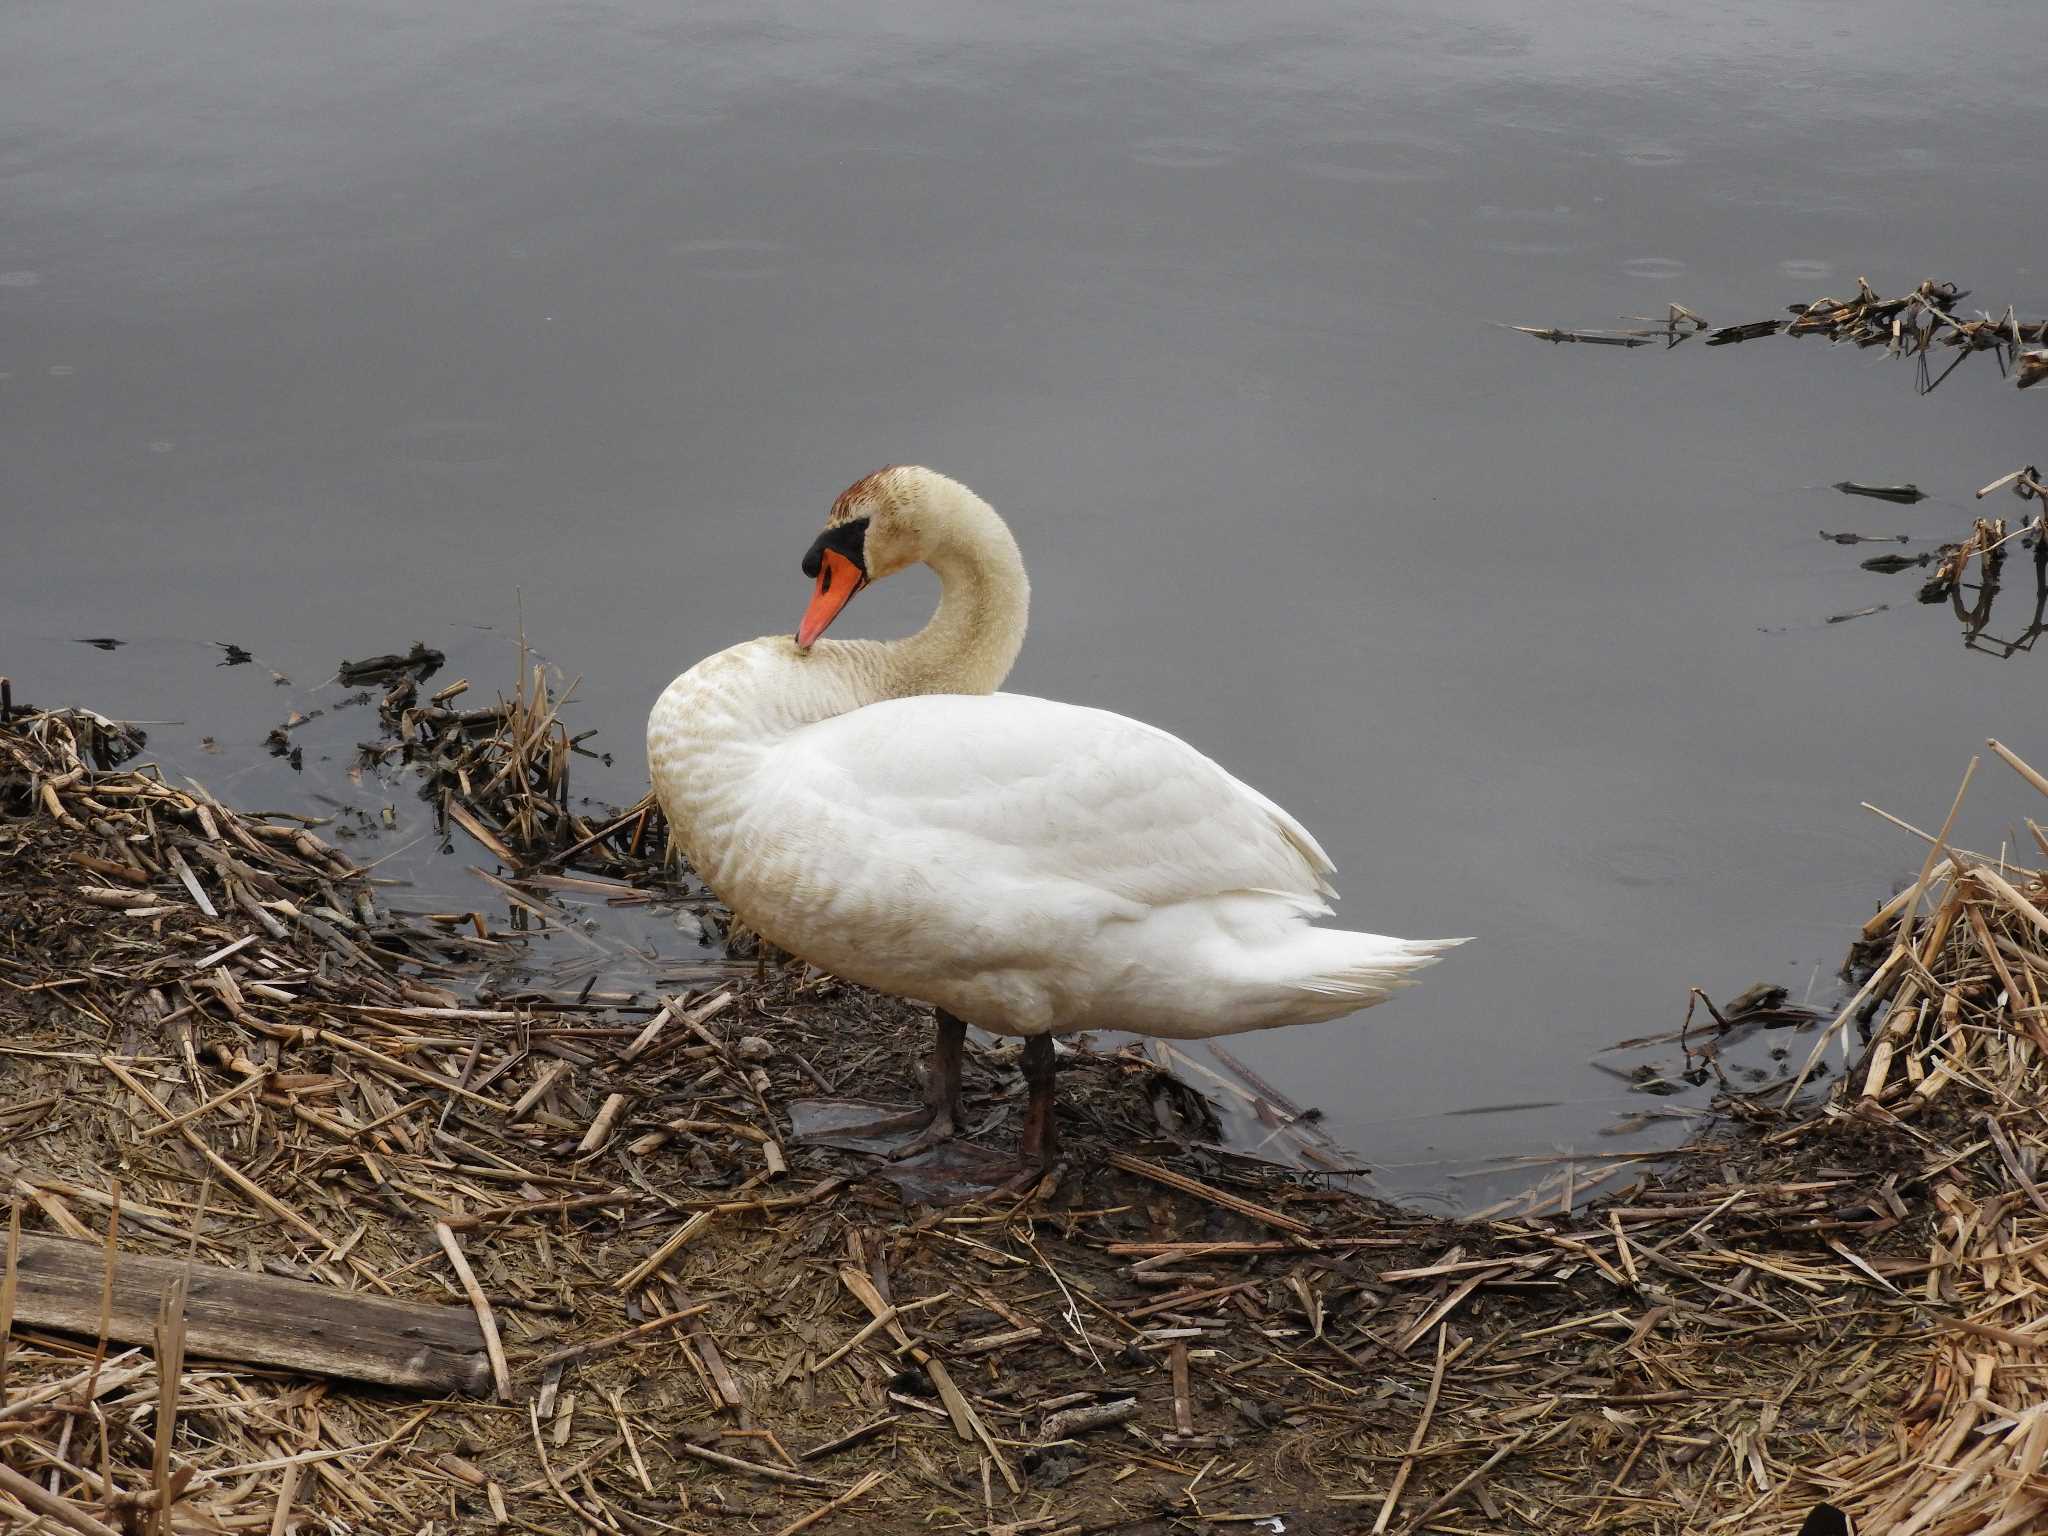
(501, 771)
(231, 1062)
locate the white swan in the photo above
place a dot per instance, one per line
(1029, 867)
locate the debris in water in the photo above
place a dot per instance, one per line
(1860, 613)
(1728, 335)
(103, 643)
(419, 662)
(1986, 540)
(1678, 324)
(1986, 545)
(1911, 325)
(1905, 495)
(2025, 483)
(1589, 338)
(232, 655)
(1863, 538)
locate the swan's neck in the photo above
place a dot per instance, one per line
(984, 603)
(713, 725)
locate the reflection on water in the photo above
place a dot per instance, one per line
(1974, 603)
(328, 329)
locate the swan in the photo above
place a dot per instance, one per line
(1029, 867)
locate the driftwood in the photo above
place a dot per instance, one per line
(249, 1319)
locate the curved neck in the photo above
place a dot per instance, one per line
(984, 604)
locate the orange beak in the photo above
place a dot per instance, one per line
(838, 579)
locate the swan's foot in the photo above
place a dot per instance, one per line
(944, 1110)
(853, 1126)
(939, 1126)
(959, 1171)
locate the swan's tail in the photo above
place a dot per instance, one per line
(1225, 965)
(1361, 969)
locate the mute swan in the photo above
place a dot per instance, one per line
(1029, 867)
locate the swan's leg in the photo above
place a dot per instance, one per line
(942, 1074)
(961, 1172)
(1041, 1141)
(940, 1120)
(945, 1113)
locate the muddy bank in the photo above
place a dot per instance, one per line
(229, 1046)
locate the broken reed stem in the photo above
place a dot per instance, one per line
(99, 1352)
(547, 1470)
(646, 1269)
(8, 1284)
(501, 1375)
(751, 1468)
(1935, 851)
(1902, 946)
(1436, 1383)
(584, 1351)
(805, 1522)
(40, 1501)
(1986, 875)
(2018, 765)
(170, 1373)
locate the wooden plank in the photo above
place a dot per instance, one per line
(233, 1315)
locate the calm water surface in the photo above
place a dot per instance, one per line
(325, 329)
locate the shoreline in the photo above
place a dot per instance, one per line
(1828, 1306)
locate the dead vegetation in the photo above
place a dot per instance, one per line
(1911, 325)
(501, 771)
(1986, 545)
(237, 1072)
(1916, 325)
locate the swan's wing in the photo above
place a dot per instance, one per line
(1046, 791)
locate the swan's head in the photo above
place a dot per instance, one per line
(896, 517)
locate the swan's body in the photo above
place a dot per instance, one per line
(1027, 866)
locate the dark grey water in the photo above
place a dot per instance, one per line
(325, 329)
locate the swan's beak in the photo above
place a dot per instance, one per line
(838, 579)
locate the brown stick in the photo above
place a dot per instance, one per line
(501, 1375)
(2018, 766)
(41, 1500)
(7, 1287)
(1162, 1175)
(99, 1349)
(170, 1376)
(844, 1499)
(1073, 1421)
(755, 1468)
(1436, 1383)
(595, 1346)
(645, 1270)
(851, 1438)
